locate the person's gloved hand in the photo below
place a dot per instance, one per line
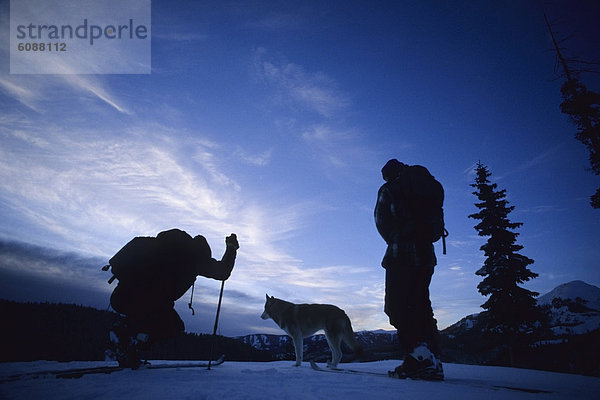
(231, 241)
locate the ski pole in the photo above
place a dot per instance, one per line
(212, 347)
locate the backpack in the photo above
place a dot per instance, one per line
(424, 199)
(172, 255)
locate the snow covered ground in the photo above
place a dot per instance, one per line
(281, 380)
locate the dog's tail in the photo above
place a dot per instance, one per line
(350, 339)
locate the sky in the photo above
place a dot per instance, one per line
(273, 120)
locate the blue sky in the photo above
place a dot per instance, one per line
(272, 120)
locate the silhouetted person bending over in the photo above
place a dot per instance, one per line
(153, 272)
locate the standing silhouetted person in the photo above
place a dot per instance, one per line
(153, 272)
(409, 217)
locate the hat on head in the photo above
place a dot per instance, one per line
(391, 169)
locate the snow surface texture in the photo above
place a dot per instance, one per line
(281, 380)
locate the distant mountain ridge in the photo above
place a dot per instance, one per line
(381, 345)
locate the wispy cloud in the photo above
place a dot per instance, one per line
(470, 172)
(76, 186)
(94, 87)
(313, 90)
(463, 243)
(543, 209)
(533, 161)
(80, 185)
(20, 92)
(32, 91)
(329, 142)
(259, 160)
(337, 148)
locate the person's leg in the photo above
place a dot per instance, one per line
(417, 329)
(424, 318)
(400, 305)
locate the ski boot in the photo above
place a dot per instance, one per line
(420, 364)
(124, 347)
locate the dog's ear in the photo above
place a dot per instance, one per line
(267, 296)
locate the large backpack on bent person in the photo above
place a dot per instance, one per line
(423, 195)
(165, 265)
(153, 272)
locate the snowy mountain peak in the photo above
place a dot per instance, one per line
(575, 308)
(590, 294)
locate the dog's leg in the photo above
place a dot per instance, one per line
(298, 347)
(335, 345)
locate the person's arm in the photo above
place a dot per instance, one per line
(221, 270)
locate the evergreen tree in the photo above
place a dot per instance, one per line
(582, 106)
(512, 310)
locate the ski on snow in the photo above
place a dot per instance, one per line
(452, 382)
(79, 372)
(345, 370)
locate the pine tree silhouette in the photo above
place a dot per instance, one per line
(512, 311)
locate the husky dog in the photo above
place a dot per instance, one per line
(303, 320)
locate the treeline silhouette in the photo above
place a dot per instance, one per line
(68, 332)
